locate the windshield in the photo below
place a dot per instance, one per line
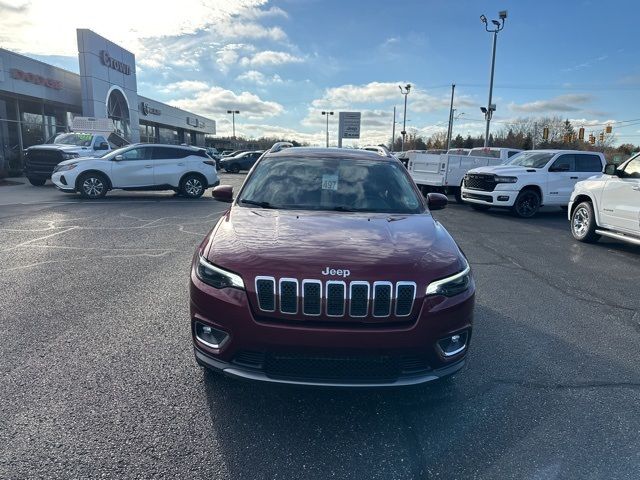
(484, 152)
(338, 184)
(77, 139)
(530, 159)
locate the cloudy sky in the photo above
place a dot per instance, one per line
(282, 62)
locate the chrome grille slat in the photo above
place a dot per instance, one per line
(379, 299)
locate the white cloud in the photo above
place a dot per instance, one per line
(381, 92)
(185, 86)
(270, 57)
(259, 78)
(216, 101)
(47, 28)
(572, 102)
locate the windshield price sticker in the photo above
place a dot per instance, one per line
(329, 182)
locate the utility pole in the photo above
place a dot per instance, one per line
(233, 120)
(535, 134)
(404, 92)
(448, 145)
(327, 114)
(393, 130)
(490, 108)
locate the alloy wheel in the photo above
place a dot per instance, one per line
(528, 204)
(193, 187)
(93, 186)
(581, 221)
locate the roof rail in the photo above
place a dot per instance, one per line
(276, 147)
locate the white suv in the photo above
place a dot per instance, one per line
(186, 170)
(530, 180)
(608, 205)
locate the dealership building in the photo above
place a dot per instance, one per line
(38, 100)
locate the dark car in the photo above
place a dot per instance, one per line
(328, 269)
(242, 161)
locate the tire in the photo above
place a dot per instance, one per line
(583, 223)
(93, 185)
(458, 195)
(37, 182)
(480, 208)
(235, 168)
(192, 186)
(527, 204)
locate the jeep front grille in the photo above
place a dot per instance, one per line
(335, 298)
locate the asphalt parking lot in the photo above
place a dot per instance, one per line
(99, 380)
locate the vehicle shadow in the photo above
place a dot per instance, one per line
(513, 407)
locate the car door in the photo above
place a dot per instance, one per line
(561, 179)
(132, 168)
(251, 159)
(620, 204)
(169, 165)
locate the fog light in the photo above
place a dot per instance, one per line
(210, 336)
(503, 198)
(453, 345)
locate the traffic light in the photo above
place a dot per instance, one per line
(601, 137)
(581, 133)
(545, 133)
(608, 129)
(592, 139)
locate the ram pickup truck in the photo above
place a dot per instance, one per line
(608, 205)
(444, 173)
(40, 160)
(530, 180)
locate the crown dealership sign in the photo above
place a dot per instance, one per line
(108, 61)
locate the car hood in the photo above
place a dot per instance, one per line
(76, 160)
(302, 244)
(502, 170)
(61, 148)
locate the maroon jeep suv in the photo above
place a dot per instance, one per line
(328, 269)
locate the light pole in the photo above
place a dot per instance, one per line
(404, 91)
(327, 114)
(233, 120)
(490, 108)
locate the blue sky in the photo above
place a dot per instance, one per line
(281, 62)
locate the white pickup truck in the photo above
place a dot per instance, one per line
(530, 180)
(608, 205)
(444, 173)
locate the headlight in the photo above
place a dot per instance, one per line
(500, 179)
(216, 276)
(69, 156)
(452, 285)
(64, 168)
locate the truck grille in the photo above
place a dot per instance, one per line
(43, 159)
(358, 299)
(478, 181)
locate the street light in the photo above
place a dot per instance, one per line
(404, 92)
(233, 119)
(327, 114)
(490, 108)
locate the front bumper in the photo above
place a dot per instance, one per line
(65, 180)
(410, 350)
(497, 198)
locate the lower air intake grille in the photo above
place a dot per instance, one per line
(341, 369)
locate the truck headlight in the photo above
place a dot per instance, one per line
(501, 179)
(64, 168)
(69, 156)
(453, 285)
(216, 276)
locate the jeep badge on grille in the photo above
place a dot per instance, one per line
(339, 272)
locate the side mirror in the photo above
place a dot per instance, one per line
(118, 158)
(223, 193)
(437, 201)
(610, 169)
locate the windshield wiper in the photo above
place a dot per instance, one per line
(257, 203)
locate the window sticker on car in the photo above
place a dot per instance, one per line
(329, 182)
